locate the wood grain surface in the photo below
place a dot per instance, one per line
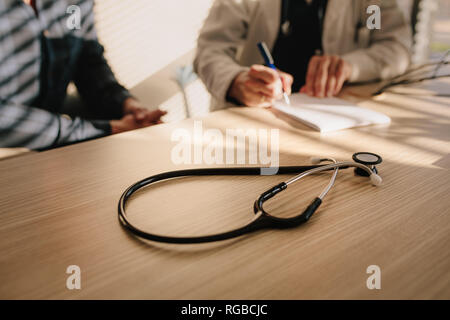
(6, 153)
(59, 208)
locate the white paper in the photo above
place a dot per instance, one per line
(329, 114)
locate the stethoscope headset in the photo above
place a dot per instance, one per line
(363, 162)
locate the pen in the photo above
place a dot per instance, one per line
(270, 63)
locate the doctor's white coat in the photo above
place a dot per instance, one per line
(227, 41)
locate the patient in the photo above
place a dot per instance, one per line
(314, 55)
(40, 55)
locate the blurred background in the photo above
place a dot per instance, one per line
(150, 45)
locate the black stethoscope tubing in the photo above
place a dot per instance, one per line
(262, 220)
(363, 162)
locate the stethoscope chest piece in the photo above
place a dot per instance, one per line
(369, 159)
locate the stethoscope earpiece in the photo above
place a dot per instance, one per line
(376, 179)
(315, 160)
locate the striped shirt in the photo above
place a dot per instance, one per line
(39, 56)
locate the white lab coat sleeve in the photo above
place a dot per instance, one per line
(223, 32)
(388, 54)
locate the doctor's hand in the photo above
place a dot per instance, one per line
(260, 86)
(326, 76)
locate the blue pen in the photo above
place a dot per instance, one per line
(268, 60)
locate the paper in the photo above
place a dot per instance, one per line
(329, 114)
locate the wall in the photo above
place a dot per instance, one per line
(143, 36)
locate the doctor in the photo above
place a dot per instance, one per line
(317, 45)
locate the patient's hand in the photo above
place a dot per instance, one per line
(260, 86)
(141, 114)
(326, 76)
(135, 116)
(129, 122)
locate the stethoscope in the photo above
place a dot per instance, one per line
(363, 162)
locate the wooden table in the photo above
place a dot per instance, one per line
(59, 208)
(6, 153)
